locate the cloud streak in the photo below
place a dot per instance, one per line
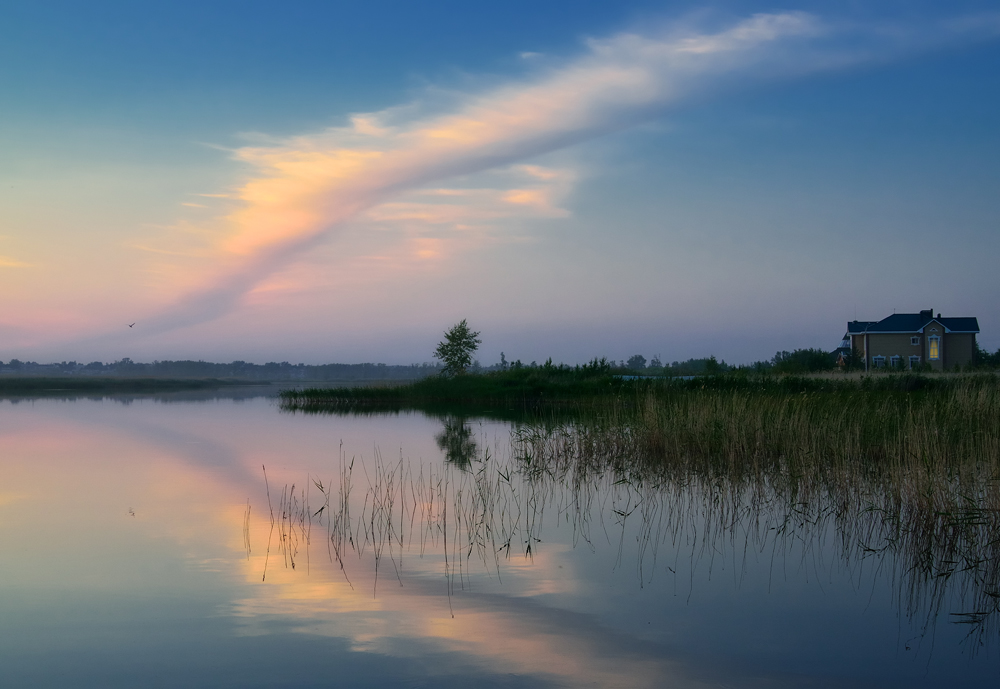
(7, 262)
(303, 188)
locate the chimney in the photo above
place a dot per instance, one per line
(927, 313)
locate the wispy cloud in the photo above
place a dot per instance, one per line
(7, 262)
(380, 166)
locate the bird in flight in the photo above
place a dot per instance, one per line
(131, 324)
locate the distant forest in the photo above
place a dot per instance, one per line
(797, 362)
(240, 370)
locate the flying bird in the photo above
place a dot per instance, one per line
(131, 324)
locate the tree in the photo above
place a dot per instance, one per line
(457, 349)
(636, 362)
(457, 442)
(803, 361)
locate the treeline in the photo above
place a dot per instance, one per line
(237, 370)
(986, 360)
(796, 362)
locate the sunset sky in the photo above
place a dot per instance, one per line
(340, 182)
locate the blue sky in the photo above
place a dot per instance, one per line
(242, 179)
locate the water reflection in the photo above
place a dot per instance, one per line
(940, 554)
(457, 441)
(365, 556)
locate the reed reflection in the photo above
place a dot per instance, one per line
(933, 534)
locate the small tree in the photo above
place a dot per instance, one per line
(712, 366)
(636, 362)
(457, 349)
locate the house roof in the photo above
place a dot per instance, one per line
(960, 325)
(858, 327)
(913, 323)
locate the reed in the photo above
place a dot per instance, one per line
(906, 476)
(913, 479)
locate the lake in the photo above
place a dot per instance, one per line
(216, 541)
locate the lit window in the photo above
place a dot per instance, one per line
(933, 347)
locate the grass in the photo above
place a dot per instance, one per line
(902, 469)
(911, 478)
(563, 389)
(521, 388)
(780, 486)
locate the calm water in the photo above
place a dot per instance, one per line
(142, 546)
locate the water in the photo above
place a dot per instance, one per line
(143, 547)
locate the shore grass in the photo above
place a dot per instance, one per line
(886, 421)
(516, 390)
(894, 476)
(551, 388)
(910, 470)
(903, 471)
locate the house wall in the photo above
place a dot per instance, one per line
(893, 344)
(933, 329)
(959, 349)
(955, 348)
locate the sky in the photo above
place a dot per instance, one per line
(341, 182)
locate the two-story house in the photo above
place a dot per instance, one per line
(907, 340)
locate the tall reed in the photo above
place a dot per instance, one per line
(909, 479)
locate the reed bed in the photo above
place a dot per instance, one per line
(906, 482)
(911, 479)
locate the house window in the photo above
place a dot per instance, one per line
(878, 361)
(934, 347)
(895, 360)
(915, 340)
(914, 361)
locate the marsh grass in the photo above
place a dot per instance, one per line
(910, 480)
(901, 479)
(501, 391)
(508, 394)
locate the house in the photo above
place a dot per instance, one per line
(908, 340)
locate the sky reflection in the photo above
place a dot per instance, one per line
(123, 529)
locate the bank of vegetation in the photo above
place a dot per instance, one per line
(597, 385)
(907, 480)
(236, 370)
(35, 386)
(900, 474)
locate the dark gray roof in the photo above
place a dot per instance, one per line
(858, 327)
(912, 323)
(960, 325)
(901, 323)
